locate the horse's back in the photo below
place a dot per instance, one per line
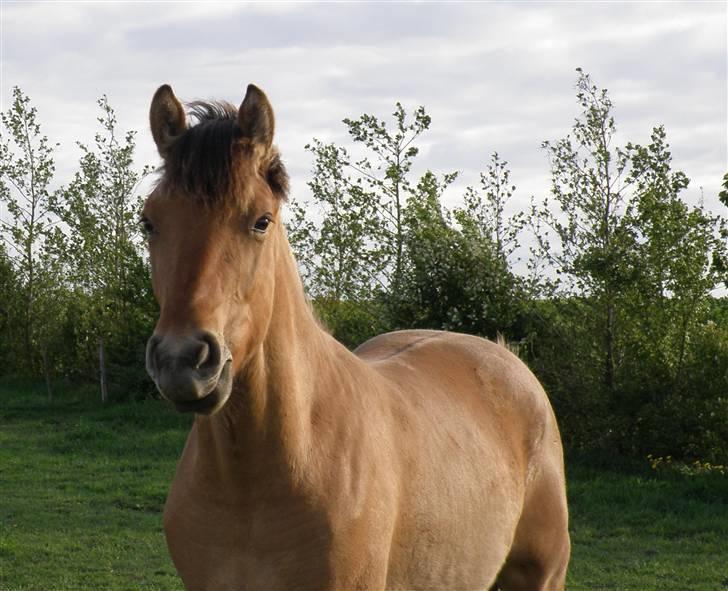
(462, 369)
(466, 384)
(476, 433)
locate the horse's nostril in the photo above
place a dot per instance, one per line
(151, 360)
(203, 353)
(212, 351)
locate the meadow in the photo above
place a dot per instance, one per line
(82, 487)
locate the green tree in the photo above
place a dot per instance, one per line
(636, 266)
(586, 215)
(679, 257)
(483, 215)
(431, 288)
(27, 169)
(356, 256)
(723, 195)
(103, 248)
(347, 259)
(385, 175)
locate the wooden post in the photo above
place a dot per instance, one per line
(102, 371)
(46, 372)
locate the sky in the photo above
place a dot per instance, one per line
(494, 76)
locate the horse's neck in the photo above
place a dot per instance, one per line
(267, 419)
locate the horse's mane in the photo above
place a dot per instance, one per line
(202, 160)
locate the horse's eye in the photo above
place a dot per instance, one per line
(146, 226)
(262, 224)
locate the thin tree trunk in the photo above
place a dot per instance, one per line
(102, 371)
(609, 346)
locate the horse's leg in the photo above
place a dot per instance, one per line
(540, 552)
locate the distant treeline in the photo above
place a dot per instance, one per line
(614, 313)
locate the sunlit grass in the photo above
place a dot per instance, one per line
(81, 491)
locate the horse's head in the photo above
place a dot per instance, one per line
(213, 232)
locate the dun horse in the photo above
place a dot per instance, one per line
(422, 460)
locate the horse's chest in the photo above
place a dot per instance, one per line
(267, 544)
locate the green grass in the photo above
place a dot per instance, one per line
(82, 488)
(632, 529)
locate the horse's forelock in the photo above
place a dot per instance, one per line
(203, 161)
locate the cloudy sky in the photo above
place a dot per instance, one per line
(493, 75)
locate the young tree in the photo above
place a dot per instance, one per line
(384, 233)
(103, 247)
(495, 295)
(431, 289)
(483, 216)
(347, 258)
(636, 266)
(587, 218)
(359, 253)
(26, 173)
(385, 176)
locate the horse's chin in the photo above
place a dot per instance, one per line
(213, 401)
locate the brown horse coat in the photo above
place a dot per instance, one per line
(423, 460)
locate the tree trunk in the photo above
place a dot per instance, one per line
(102, 371)
(609, 348)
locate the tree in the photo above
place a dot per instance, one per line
(357, 255)
(723, 195)
(26, 169)
(679, 257)
(593, 253)
(385, 177)
(386, 237)
(483, 216)
(431, 288)
(103, 248)
(347, 258)
(636, 266)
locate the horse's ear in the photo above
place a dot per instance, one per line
(255, 118)
(166, 118)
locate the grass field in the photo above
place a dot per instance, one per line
(82, 489)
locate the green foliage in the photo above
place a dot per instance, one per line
(723, 195)
(352, 322)
(636, 266)
(102, 252)
(26, 173)
(362, 251)
(483, 216)
(615, 317)
(347, 261)
(386, 241)
(74, 270)
(384, 176)
(457, 278)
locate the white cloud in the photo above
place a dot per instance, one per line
(494, 76)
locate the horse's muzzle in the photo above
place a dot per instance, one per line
(192, 371)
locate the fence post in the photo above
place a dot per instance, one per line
(46, 372)
(102, 371)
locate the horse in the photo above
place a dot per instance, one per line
(422, 460)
